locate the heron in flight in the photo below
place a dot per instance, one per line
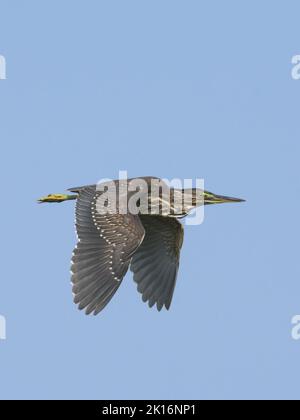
(147, 241)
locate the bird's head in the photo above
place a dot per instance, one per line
(210, 198)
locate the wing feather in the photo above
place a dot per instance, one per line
(155, 263)
(100, 261)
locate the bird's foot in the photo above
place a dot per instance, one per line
(56, 198)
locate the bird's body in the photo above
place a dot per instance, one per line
(129, 224)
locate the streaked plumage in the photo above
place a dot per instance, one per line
(109, 244)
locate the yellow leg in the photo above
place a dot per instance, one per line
(56, 198)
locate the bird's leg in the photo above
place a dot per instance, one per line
(57, 198)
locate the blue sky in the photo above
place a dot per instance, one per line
(197, 89)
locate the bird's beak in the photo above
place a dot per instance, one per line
(210, 198)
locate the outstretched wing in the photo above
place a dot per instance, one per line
(101, 258)
(155, 263)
